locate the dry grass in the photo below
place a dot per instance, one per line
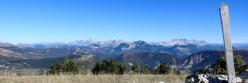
(93, 79)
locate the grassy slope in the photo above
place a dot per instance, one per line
(94, 79)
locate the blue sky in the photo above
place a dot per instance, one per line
(32, 21)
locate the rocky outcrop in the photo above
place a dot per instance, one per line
(202, 78)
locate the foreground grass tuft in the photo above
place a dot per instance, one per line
(94, 79)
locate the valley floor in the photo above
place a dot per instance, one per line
(94, 79)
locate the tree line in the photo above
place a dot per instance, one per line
(219, 68)
(114, 67)
(110, 67)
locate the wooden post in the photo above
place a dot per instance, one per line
(225, 22)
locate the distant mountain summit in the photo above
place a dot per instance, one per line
(115, 43)
(184, 42)
(4, 44)
(82, 42)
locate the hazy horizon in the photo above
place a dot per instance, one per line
(35, 21)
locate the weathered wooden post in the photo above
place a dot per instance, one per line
(225, 22)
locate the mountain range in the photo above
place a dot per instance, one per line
(180, 53)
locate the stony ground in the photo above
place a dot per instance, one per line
(94, 79)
